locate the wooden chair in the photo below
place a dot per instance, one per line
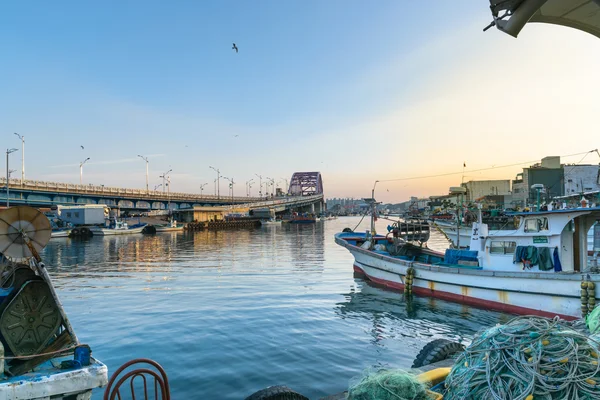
(161, 382)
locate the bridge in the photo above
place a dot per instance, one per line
(305, 191)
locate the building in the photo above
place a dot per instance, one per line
(199, 214)
(581, 178)
(549, 173)
(479, 189)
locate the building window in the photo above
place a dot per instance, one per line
(503, 247)
(536, 224)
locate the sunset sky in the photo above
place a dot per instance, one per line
(360, 91)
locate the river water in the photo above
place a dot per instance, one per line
(228, 313)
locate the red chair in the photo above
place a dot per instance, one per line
(161, 382)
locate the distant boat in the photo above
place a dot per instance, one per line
(302, 219)
(119, 228)
(270, 221)
(60, 233)
(172, 226)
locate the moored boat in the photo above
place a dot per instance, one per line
(301, 219)
(172, 226)
(40, 354)
(117, 227)
(537, 268)
(270, 222)
(60, 233)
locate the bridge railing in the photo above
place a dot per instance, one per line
(105, 191)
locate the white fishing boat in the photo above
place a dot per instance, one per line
(118, 227)
(270, 222)
(60, 233)
(40, 355)
(172, 226)
(537, 268)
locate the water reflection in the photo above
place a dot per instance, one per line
(392, 315)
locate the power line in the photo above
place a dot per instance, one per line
(478, 170)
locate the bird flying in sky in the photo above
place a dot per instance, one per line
(82, 148)
(235, 48)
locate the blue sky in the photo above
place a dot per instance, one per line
(357, 90)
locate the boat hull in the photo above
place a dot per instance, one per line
(113, 232)
(60, 234)
(514, 292)
(168, 228)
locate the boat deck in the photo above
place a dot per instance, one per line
(48, 380)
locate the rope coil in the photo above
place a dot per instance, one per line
(529, 356)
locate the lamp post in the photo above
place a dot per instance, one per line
(259, 185)
(202, 188)
(163, 176)
(272, 186)
(215, 181)
(218, 181)
(286, 184)
(145, 159)
(8, 151)
(22, 158)
(249, 189)
(81, 170)
(247, 186)
(157, 186)
(231, 182)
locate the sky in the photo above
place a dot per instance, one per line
(357, 90)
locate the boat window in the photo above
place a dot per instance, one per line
(536, 224)
(68, 214)
(76, 214)
(498, 247)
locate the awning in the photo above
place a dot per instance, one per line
(510, 16)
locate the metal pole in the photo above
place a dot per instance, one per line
(147, 176)
(80, 173)
(7, 190)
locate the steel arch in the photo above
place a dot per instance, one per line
(306, 184)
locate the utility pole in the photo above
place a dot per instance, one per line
(22, 158)
(164, 176)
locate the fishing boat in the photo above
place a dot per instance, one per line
(118, 227)
(538, 267)
(60, 233)
(301, 219)
(172, 226)
(270, 222)
(40, 354)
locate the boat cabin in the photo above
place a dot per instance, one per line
(544, 241)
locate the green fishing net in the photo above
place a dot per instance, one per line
(388, 385)
(593, 320)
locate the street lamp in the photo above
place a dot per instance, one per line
(81, 170)
(157, 186)
(231, 182)
(202, 188)
(272, 186)
(286, 184)
(218, 181)
(215, 182)
(249, 189)
(145, 159)
(247, 186)
(163, 176)
(259, 185)
(8, 151)
(22, 158)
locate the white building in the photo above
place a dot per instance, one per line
(478, 189)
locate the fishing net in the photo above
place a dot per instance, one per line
(388, 385)
(527, 358)
(593, 320)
